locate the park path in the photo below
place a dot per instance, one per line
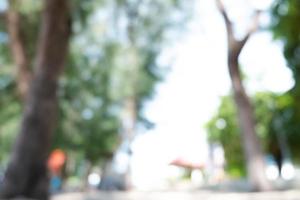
(182, 195)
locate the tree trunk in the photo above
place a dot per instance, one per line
(26, 175)
(129, 128)
(129, 119)
(251, 144)
(252, 147)
(18, 50)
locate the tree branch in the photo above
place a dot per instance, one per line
(18, 50)
(228, 23)
(252, 28)
(26, 175)
(235, 46)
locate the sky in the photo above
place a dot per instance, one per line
(191, 92)
(3, 5)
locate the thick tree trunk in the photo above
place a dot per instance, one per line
(18, 50)
(129, 128)
(26, 175)
(251, 143)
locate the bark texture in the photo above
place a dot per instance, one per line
(252, 147)
(26, 175)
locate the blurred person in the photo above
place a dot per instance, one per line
(56, 162)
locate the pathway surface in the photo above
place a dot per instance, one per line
(182, 195)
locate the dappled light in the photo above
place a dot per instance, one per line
(149, 99)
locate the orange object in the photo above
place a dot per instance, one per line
(56, 161)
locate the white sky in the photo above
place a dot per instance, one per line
(199, 75)
(191, 92)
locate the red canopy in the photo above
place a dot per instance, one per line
(181, 162)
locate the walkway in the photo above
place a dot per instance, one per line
(196, 195)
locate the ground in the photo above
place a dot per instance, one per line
(181, 195)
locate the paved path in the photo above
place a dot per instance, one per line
(195, 195)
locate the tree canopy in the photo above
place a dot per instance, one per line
(113, 56)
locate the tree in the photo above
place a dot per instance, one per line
(286, 15)
(19, 32)
(224, 128)
(135, 67)
(89, 116)
(26, 175)
(92, 139)
(18, 49)
(97, 81)
(251, 143)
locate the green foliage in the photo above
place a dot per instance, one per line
(9, 112)
(224, 128)
(113, 56)
(286, 121)
(89, 120)
(286, 16)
